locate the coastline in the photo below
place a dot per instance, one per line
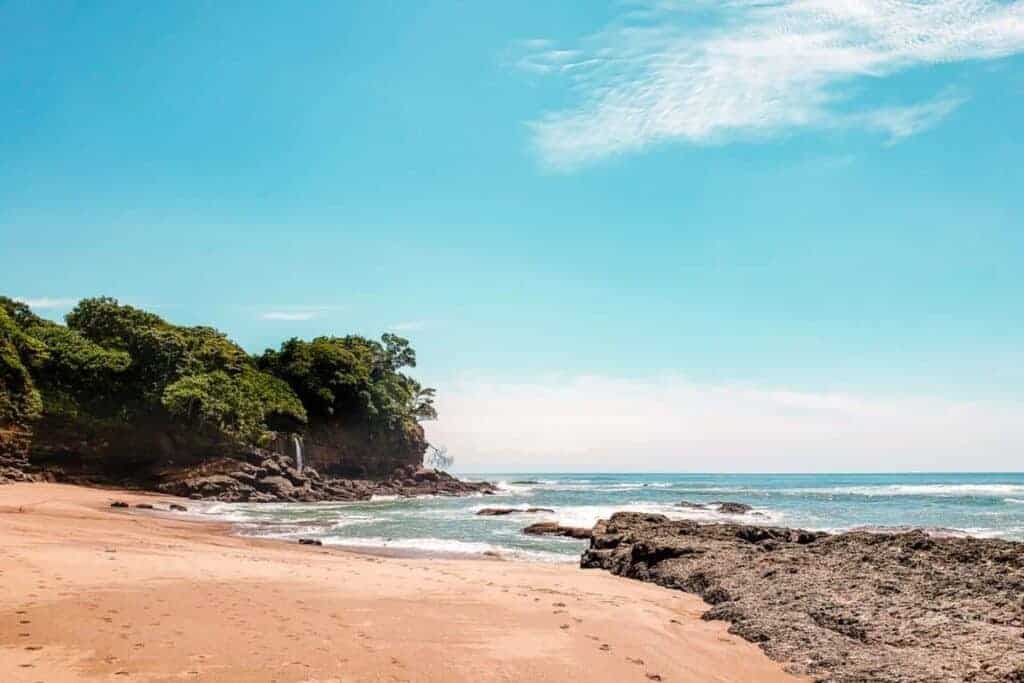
(89, 592)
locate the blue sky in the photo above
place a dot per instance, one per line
(816, 199)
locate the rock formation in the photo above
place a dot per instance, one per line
(268, 477)
(555, 529)
(857, 606)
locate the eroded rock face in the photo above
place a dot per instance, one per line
(271, 477)
(14, 465)
(857, 606)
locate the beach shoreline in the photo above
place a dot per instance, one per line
(89, 592)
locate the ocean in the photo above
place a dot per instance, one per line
(984, 505)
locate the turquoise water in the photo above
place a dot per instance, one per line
(986, 505)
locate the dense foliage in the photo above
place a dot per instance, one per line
(20, 402)
(353, 377)
(116, 362)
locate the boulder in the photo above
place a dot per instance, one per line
(731, 508)
(555, 529)
(276, 486)
(425, 474)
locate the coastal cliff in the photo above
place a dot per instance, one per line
(856, 606)
(120, 396)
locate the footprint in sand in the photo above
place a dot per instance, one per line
(564, 627)
(653, 677)
(605, 647)
(638, 662)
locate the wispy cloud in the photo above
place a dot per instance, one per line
(706, 73)
(409, 326)
(45, 302)
(672, 424)
(290, 315)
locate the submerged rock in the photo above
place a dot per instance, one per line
(495, 512)
(729, 507)
(858, 606)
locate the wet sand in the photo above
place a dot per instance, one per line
(88, 592)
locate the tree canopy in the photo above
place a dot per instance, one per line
(112, 361)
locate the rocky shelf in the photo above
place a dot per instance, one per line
(273, 478)
(856, 606)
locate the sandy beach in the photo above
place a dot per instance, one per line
(88, 592)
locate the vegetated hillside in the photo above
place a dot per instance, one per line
(120, 393)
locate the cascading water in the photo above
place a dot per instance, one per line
(298, 452)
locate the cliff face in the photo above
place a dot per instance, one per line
(357, 452)
(135, 452)
(147, 451)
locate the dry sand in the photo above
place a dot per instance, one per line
(93, 593)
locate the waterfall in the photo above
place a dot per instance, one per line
(298, 452)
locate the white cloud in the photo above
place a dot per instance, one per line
(45, 302)
(703, 72)
(409, 326)
(605, 424)
(290, 315)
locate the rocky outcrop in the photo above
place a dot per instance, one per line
(727, 507)
(858, 606)
(498, 512)
(157, 453)
(269, 477)
(555, 529)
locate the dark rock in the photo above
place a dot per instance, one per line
(144, 506)
(691, 506)
(731, 508)
(424, 474)
(276, 486)
(310, 541)
(555, 529)
(495, 512)
(274, 479)
(119, 504)
(177, 508)
(893, 607)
